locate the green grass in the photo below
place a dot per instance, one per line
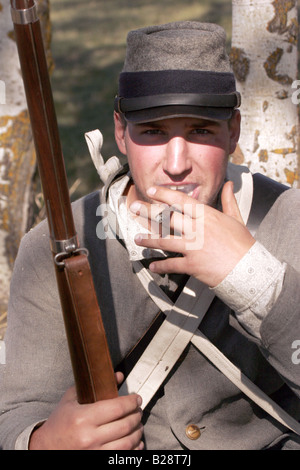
(88, 47)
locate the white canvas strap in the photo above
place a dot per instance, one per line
(154, 374)
(234, 374)
(181, 326)
(243, 188)
(182, 319)
(94, 140)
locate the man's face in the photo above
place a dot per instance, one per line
(187, 154)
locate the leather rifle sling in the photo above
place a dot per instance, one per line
(95, 356)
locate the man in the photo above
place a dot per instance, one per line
(172, 237)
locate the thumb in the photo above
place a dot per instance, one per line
(119, 377)
(229, 203)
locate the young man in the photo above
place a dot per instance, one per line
(172, 237)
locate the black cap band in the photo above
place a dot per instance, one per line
(136, 84)
(179, 91)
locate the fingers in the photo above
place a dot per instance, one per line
(122, 429)
(111, 424)
(177, 201)
(169, 265)
(147, 210)
(173, 217)
(124, 434)
(115, 409)
(152, 216)
(229, 203)
(119, 377)
(105, 411)
(181, 222)
(171, 244)
(106, 424)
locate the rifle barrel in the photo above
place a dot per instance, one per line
(43, 119)
(92, 367)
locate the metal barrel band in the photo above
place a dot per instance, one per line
(62, 246)
(24, 16)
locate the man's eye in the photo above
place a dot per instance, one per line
(152, 132)
(200, 131)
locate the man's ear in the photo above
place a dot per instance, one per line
(234, 129)
(120, 128)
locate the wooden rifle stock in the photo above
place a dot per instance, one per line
(91, 362)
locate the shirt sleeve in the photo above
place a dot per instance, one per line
(22, 442)
(253, 287)
(37, 368)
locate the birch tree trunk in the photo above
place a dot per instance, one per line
(17, 157)
(264, 60)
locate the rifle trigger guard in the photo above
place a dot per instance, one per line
(60, 257)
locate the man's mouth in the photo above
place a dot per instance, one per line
(188, 189)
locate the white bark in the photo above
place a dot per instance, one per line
(17, 156)
(13, 103)
(264, 59)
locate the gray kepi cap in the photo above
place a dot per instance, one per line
(176, 70)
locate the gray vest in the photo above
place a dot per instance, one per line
(195, 391)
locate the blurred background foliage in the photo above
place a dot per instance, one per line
(88, 47)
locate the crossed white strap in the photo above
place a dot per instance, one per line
(179, 328)
(94, 140)
(183, 319)
(234, 374)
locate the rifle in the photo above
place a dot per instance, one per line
(91, 362)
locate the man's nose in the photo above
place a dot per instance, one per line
(176, 161)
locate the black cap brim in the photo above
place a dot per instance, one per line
(177, 111)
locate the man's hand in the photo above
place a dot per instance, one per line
(105, 425)
(211, 242)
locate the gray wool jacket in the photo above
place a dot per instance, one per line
(38, 369)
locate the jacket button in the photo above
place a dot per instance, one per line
(193, 432)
